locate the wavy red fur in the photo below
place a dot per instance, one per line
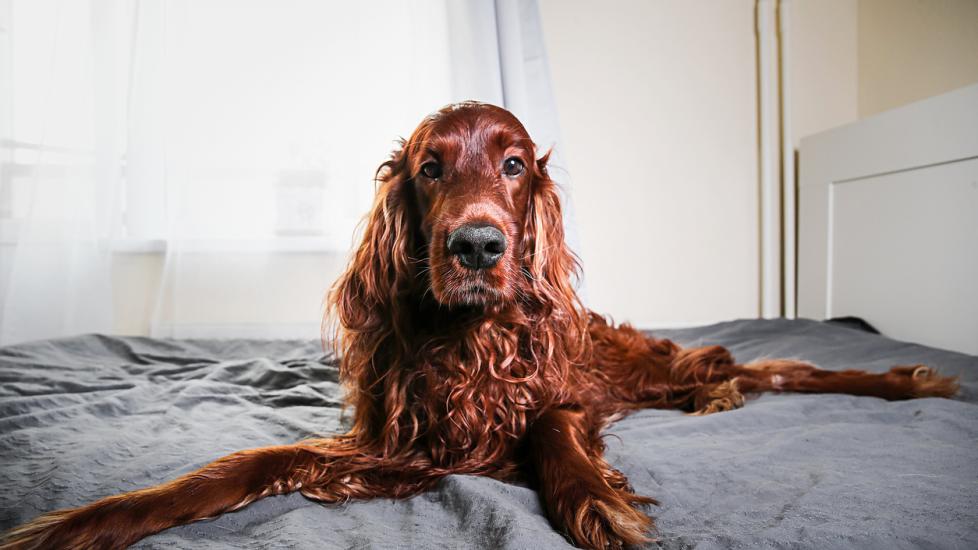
(498, 371)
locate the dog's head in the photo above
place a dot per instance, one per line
(462, 266)
(466, 215)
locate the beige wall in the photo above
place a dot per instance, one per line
(913, 49)
(849, 59)
(656, 102)
(822, 80)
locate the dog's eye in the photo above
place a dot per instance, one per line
(513, 167)
(431, 170)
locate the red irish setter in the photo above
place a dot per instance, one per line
(465, 350)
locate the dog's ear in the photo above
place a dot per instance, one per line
(368, 303)
(552, 269)
(550, 263)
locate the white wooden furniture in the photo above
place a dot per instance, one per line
(888, 222)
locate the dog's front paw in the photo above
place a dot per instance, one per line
(714, 398)
(602, 518)
(611, 523)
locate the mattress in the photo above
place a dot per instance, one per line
(90, 416)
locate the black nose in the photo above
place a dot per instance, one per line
(477, 246)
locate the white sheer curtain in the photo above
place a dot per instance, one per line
(270, 157)
(59, 170)
(197, 168)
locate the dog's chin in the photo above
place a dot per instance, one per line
(471, 294)
(454, 286)
(478, 295)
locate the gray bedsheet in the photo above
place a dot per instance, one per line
(86, 417)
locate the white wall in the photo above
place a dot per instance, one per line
(657, 107)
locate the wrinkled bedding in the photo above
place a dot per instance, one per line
(85, 417)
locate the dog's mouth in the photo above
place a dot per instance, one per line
(453, 285)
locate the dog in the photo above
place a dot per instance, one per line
(466, 350)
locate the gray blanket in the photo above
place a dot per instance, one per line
(86, 417)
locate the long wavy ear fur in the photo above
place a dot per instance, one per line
(368, 302)
(551, 265)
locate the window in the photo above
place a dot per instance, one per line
(214, 121)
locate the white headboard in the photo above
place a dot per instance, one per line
(888, 222)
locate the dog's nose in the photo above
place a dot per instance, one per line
(477, 246)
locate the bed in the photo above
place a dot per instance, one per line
(93, 415)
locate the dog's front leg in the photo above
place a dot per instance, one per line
(585, 498)
(226, 484)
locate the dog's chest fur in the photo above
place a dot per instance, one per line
(476, 398)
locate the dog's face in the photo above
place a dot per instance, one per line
(465, 214)
(472, 168)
